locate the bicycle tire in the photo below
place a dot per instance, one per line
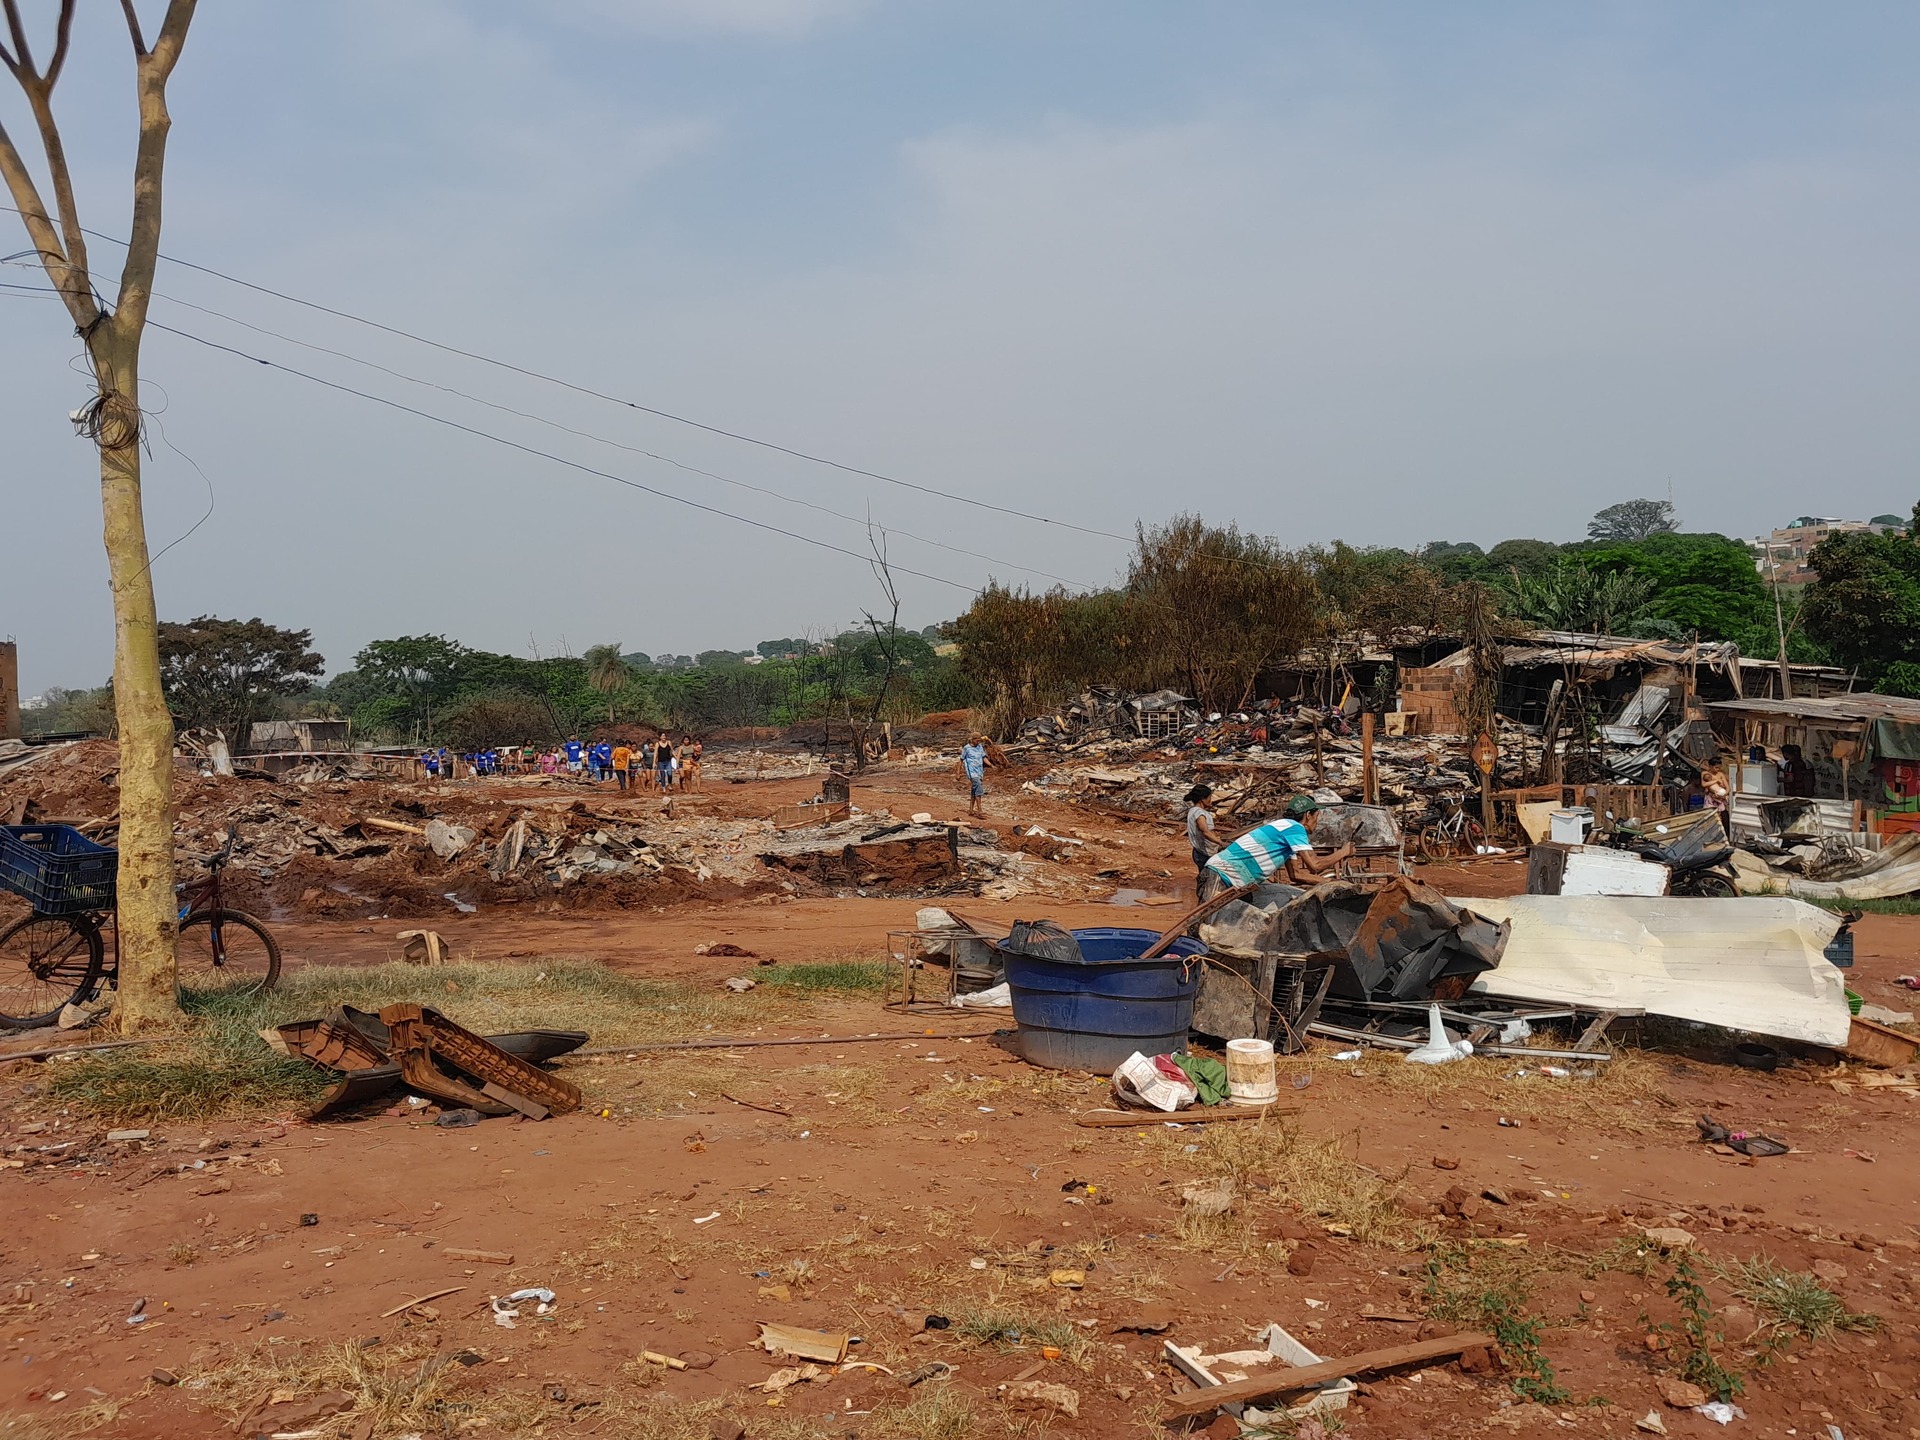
(1435, 844)
(36, 960)
(256, 974)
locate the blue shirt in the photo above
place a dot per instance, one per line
(1261, 851)
(974, 757)
(573, 752)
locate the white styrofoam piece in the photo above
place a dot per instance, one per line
(1596, 870)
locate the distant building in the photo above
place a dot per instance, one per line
(1782, 556)
(327, 737)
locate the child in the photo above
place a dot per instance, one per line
(973, 763)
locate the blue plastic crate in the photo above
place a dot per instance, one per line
(56, 869)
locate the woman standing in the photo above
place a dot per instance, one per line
(1201, 837)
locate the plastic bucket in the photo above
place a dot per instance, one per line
(1250, 1073)
(1094, 1013)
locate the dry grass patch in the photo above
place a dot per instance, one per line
(220, 1066)
(1622, 1094)
(1273, 1169)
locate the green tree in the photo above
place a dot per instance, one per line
(1704, 585)
(1573, 597)
(420, 672)
(1632, 520)
(1864, 608)
(226, 674)
(607, 672)
(1526, 557)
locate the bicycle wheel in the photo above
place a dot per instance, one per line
(46, 961)
(222, 949)
(1472, 838)
(1435, 844)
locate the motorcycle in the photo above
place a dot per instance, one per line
(1698, 857)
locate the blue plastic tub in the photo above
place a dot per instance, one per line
(56, 869)
(1093, 1015)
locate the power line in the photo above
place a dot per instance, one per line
(618, 400)
(616, 444)
(556, 459)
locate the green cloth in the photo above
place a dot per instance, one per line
(1895, 740)
(1206, 1073)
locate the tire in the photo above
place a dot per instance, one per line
(1711, 886)
(1435, 844)
(46, 962)
(250, 958)
(1472, 837)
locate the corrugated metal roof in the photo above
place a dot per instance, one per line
(1839, 709)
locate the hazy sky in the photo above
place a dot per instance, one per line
(1384, 272)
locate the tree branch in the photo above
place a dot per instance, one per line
(133, 27)
(21, 61)
(149, 163)
(72, 283)
(40, 100)
(173, 34)
(62, 35)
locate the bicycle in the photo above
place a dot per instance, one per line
(57, 956)
(1454, 833)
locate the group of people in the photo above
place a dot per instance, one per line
(651, 764)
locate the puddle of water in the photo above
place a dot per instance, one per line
(1127, 897)
(462, 906)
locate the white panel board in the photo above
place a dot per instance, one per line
(1755, 963)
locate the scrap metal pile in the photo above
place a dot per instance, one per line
(413, 1047)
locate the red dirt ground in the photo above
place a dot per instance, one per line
(957, 1153)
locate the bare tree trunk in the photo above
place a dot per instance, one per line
(147, 911)
(147, 926)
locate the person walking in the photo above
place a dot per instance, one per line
(973, 764)
(663, 763)
(1202, 838)
(622, 758)
(689, 763)
(573, 749)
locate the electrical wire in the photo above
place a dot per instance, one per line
(556, 459)
(615, 444)
(970, 500)
(632, 405)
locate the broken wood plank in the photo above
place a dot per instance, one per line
(1307, 1377)
(392, 825)
(479, 1257)
(421, 1300)
(1198, 913)
(1099, 1119)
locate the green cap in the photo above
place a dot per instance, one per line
(1300, 806)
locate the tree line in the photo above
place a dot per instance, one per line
(1202, 609)
(1206, 610)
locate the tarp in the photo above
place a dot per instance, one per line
(1896, 740)
(1895, 870)
(1395, 940)
(1749, 964)
(1365, 826)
